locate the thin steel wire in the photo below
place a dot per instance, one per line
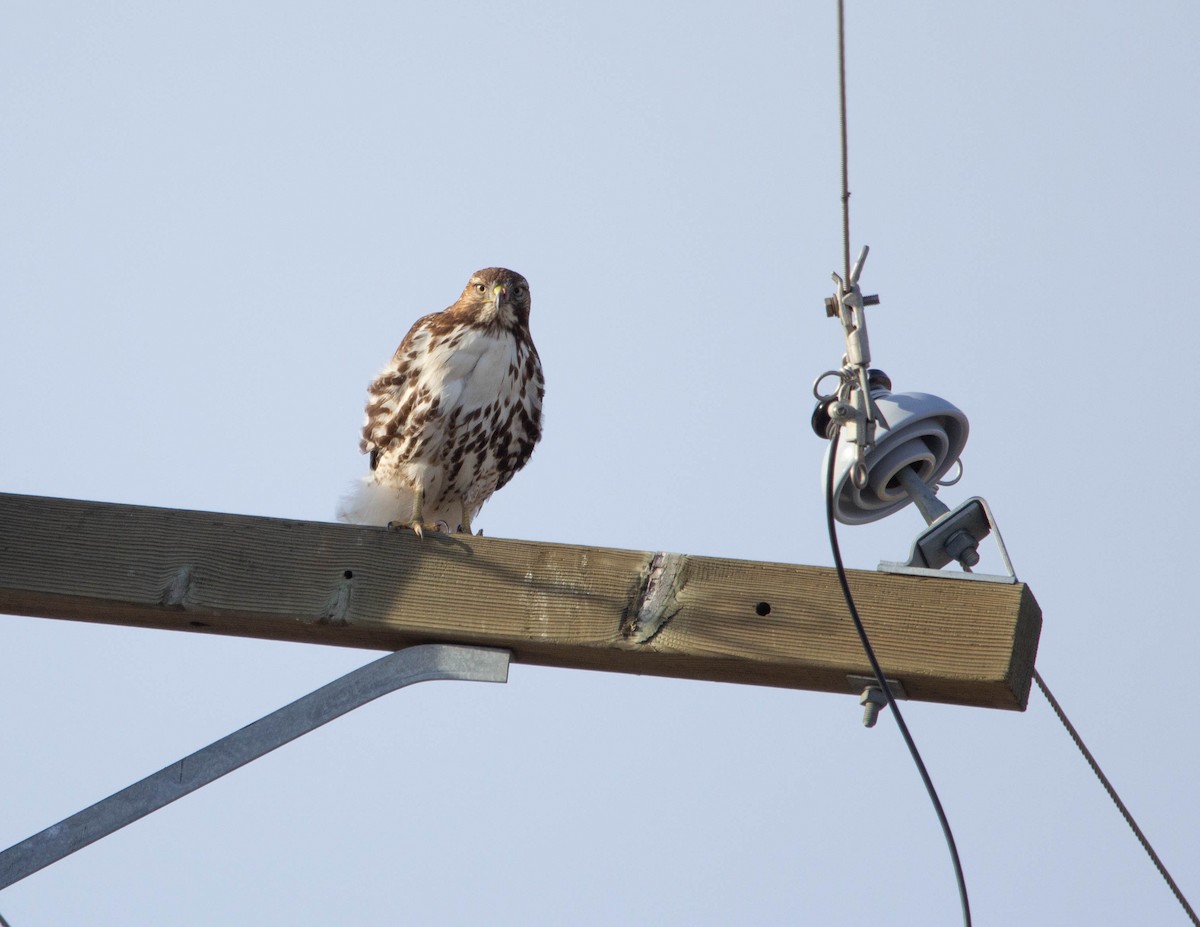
(1112, 793)
(845, 144)
(887, 690)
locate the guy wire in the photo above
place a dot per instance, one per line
(845, 144)
(1112, 793)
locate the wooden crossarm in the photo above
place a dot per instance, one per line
(945, 640)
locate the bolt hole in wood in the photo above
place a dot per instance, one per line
(197, 624)
(762, 609)
(349, 574)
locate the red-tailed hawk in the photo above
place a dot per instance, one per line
(455, 414)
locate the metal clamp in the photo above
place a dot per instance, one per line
(950, 535)
(852, 408)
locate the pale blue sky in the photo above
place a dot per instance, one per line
(216, 222)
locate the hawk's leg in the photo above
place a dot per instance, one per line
(465, 527)
(418, 526)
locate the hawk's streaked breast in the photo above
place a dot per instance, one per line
(457, 411)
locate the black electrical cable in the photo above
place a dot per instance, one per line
(883, 683)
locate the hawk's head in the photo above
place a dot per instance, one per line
(496, 295)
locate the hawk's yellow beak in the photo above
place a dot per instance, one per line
(498, 293)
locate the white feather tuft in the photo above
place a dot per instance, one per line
(369, 502)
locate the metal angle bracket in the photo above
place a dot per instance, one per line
(422, 663)
(928, 556)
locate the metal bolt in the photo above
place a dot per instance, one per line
(831, 303)
(873, 698)
(964, 548)
(841, 412)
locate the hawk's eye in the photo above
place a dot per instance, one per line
(519, 289)
(480, 288)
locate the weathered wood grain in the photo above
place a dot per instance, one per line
(946, 640)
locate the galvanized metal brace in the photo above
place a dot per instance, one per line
(422, 663)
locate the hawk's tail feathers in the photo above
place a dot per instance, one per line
(368, 502)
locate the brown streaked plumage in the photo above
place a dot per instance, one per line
(455, 414)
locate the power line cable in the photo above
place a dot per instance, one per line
(833, 540)
(883, 683)
(858, 625)
(1112, 793)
